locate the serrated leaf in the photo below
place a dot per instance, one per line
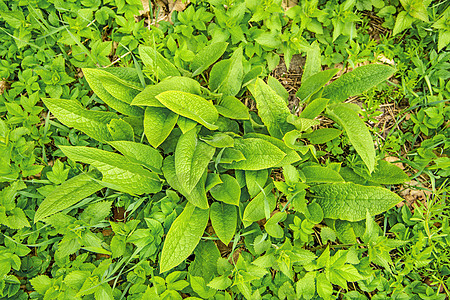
(357, 81)
(223, 220)
(271, 108)
(231, 107)
(148, 96)
(315, 82)
(191, 159)
(306, 286)
(324, 287)
(95, 79)
(190, 106)
(357, 132)
(67, 194)
(157, 63)
(349, 201)
(118, 172)
(158, 124)
(207, 56)
(259, 154)
(183, 236)
(41, 283)
(72, 114)
(228, 191)
(140, 153)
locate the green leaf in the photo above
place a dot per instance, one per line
(314, 83)
(140, 153)
(306, 286)
(191, 159)
(219, 140)
(226, 76)
(205, 262)
(357, 81)
(41, 283)
(120, 130)
(158, 124)
(190, 106)
(301, 124)
(228, 191)
(349, 201)
(95, 79)
(291, 155)
(264, 201)
(278, 88)
(231, 107)
(207, 56)
(157, 63)
(387, 173)
(315, 174)
(118, 172)
(148, 96)
(183, 236)
(255, 180)
(185, 124)
(402, 22)
(357, 132)
(66, 195)
(223, 220)
(72, 114)
(313, 63)
(324, 287)
(322, 135)
(314, 108)
(273, 228)
(271, 108)
(259, 154)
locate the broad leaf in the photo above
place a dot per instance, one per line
(67, 194)
(387, 173)
(259, 154)
(95, 79)
(120, 130)
(190, 106)
(357, 81)
(157, 63)
(306, 286)
(357, 132)
(232, 108)
(191, 159)
(228, 191)
(315, 82)
(271, 108)
(316, 174)
(314, 108)
(322, 135)
(349, 201)
(226, 76)
(313, 63)
(207, 56)
(255, 180)
(140, 153)
(158, 124)
(183, 236)
(148, 96)
(72, 114)
(273, 228)
(118, 172)
(278, 88)
(185, 124)
(223, 220)
(264, 202)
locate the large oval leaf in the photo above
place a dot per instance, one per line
(140, 153)
(312, 85)
(207, 56)
(72, 114)
(190, 106)
(228, 191)
(118, 172)
(223, 220)
(271, 108)
(259, 154)
(148, 96)
(191, 159)
(357, 81)
(357, 132)
(158, 124)
(226, 76)
(67, 194)
(261, 206)
(183, 236)
(160, 66)
(349, 201)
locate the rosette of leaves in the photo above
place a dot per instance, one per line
(202, 142)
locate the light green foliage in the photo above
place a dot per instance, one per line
(223, 220)
(158, 124)
(183, 236)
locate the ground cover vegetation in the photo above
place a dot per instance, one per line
(224, 149)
